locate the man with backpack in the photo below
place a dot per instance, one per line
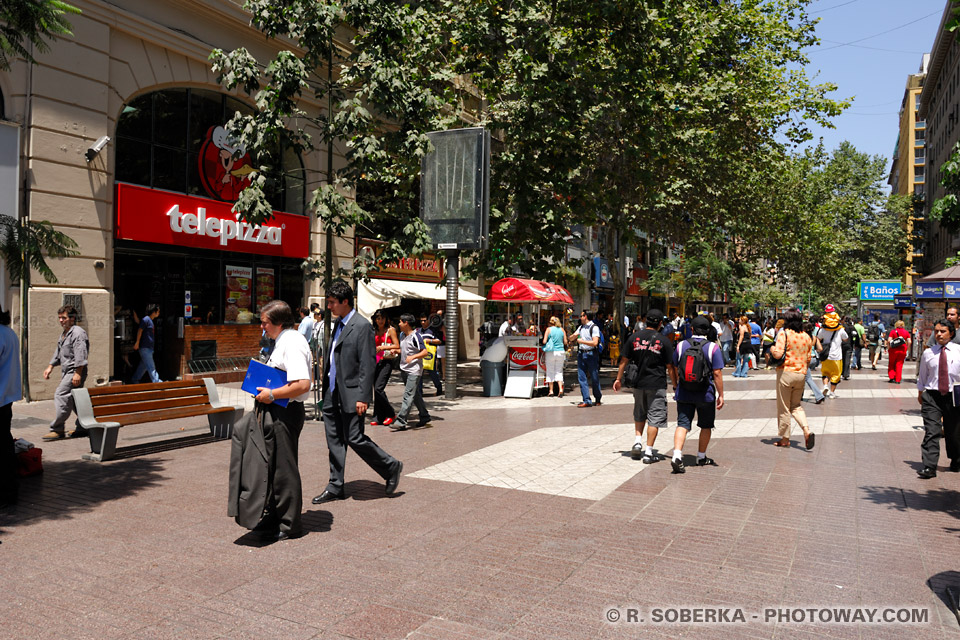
(857, 341)
(699, 389)
(589, 347)
(649, 355)
(875, 331)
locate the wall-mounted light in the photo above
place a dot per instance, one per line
(97, 147)
(99, 264)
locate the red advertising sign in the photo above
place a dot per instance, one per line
(634, 279)
(149, 215)
(425, 268)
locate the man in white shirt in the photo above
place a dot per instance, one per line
(588, 359)
(507, 328)
(726, 338)
(938, 372)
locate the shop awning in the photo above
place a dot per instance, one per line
(380, 294)
(521, 290)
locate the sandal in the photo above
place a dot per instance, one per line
(810, 440)
(783, 442)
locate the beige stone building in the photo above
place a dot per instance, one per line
(150, 210)
(908, 170)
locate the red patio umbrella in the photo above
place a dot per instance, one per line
(522, 290)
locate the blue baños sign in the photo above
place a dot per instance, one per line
(879, 290)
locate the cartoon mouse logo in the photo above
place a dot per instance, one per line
(224, 165)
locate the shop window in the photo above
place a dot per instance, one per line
(174, 139)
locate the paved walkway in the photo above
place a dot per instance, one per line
(515, 519)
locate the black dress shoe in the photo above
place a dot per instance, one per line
(326, 496)
(926, 473)
(287, 535)
(394, 479)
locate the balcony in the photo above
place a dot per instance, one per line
(919, 159)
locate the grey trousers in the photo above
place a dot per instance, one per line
(63, 400)
(411, 396)
(939, 416)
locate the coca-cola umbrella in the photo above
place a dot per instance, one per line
(512, 290)
(522, 290)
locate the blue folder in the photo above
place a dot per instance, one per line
(260, 375)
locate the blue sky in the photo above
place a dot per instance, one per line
(876, 76)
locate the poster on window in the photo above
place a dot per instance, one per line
(239, 295)
(266, 286)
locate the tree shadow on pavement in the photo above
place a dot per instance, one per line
(70, 487)
(946, 501)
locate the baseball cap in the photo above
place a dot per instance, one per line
(701, 323)
(654, 316)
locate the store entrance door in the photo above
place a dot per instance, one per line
(140, 280)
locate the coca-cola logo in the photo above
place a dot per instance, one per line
(508, 290)
(524, 356)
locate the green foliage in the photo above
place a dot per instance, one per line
(946, 210)
(26, 22)
(669, 117)
(23, 245)
(835, 225)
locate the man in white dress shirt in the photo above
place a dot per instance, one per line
(939, 370)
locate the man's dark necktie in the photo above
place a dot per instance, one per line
(943, 372)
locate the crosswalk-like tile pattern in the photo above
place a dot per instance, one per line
(590, 461)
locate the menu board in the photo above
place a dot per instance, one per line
(239, 295)
(266, 286)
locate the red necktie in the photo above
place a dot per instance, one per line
(943, 372)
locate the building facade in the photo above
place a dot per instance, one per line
(151, 209)
(939, 108)
(908, 171)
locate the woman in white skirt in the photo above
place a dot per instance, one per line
(554, 353)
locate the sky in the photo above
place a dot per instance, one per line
(889, 38)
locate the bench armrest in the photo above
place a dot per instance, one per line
(214, 397)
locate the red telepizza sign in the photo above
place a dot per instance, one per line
(165, 217)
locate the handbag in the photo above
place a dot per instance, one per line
(824, 354)
(899, 341)
(631, 375)
(430, 360)
(777, 362)
(30, 462)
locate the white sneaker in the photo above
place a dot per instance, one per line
(832, 394)
(826, 389)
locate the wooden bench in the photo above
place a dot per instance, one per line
(103, 410)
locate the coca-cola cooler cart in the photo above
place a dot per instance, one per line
(525, 364)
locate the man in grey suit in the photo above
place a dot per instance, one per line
(348, 371)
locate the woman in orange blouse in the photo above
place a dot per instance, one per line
(791, 376)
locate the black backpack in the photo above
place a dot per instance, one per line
(694, 370)
(873, 332)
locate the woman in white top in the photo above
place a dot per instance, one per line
(282, 425)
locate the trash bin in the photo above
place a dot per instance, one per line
(494, 377)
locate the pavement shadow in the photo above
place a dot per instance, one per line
(946, 501)
(70, 487)
(940, 582)
(367, 490)
(316, 521)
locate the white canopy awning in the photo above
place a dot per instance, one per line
(380, 294)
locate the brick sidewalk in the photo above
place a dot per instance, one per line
(490, 535)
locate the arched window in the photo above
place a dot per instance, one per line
(174, 139)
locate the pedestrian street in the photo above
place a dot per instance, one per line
(513, 519)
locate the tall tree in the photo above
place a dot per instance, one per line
(666, 116)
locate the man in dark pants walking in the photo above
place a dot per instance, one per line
(348, 371)
(939, 370)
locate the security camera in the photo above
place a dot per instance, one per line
(96, 148)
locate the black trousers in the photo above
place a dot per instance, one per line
(281, 433)
(845, 356)
(346, 428)
(382, 408)
(939, 416)
(9, 481)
